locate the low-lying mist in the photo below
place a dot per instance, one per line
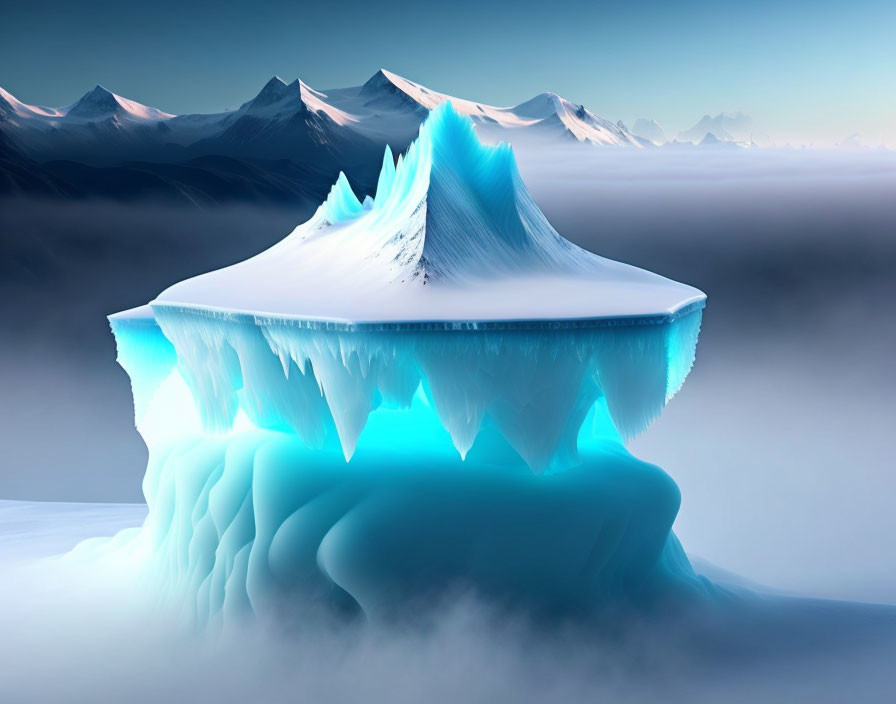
(64, 266)
(87, 631)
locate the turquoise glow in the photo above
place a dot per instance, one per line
(534, 382)
(252, 520)
(253, 504)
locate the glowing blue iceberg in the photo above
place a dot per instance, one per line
(421, 391)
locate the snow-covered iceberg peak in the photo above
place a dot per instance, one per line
(451, 235)
(453, 209)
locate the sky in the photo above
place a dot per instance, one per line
(806, 71)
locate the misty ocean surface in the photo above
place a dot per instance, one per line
(105, 639)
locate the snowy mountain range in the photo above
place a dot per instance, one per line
(722, 130)
(287, 144)
(281, 120)
(724, 127)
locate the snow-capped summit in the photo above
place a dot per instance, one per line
(713, 142)
(381, 80)
(385, 82)
(279, 99)
(650, 130)
(541, 106)
(547, 115)
(12, 108)
(100, 103)
(100, 128)
(387, 90)
(96, 104)
(275, 90)
(275, 99)
(283, 121)
(725, 127)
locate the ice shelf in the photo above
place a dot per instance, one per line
(533, 383)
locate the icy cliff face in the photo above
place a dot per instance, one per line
(532, 386)
(424, 389)
(452, 234)
(479, 459)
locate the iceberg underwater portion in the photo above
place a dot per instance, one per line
(424, 391)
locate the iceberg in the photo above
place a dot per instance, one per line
(424, 390)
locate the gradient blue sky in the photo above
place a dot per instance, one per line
(806, 71)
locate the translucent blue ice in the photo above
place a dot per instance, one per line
(342, 203)
(369, 461)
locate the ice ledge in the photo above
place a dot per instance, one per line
(135, 315)
(306, 323)
(532, 380)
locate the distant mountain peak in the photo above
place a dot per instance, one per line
(381, 75)
(12, 107)
(384, 88)
(546, 105)
(541, 106)
(725, 127)
(99, 103)
(382, 80)
(275, 91)
(279, 101)
(96, 102)
(649, 129)
(8, 100)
